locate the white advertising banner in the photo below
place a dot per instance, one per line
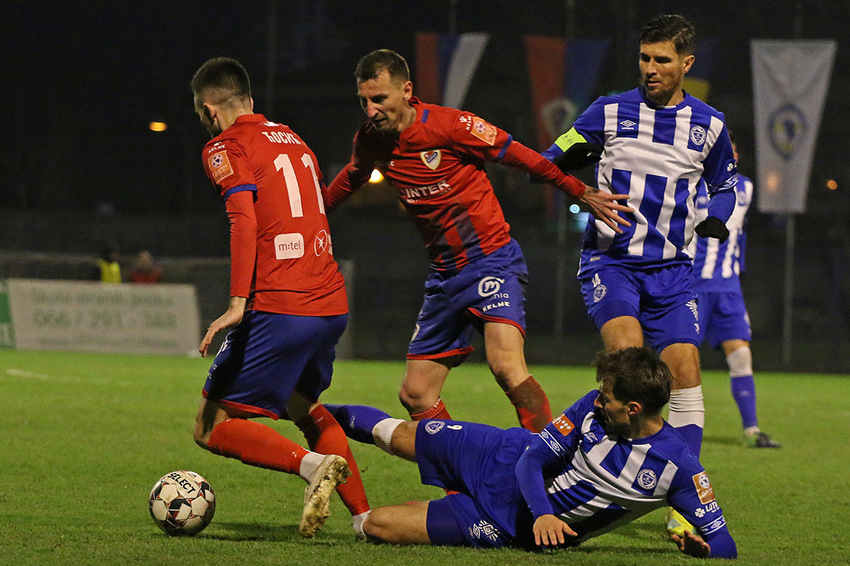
(790, 81)
(100, 317)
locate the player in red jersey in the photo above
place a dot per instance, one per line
(434, 157)
(288, 305)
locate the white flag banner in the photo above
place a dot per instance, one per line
(790, 81)
(464, 62)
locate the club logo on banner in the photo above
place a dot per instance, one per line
(787, 126)
(790, 82)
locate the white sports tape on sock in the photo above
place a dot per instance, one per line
(687, 407)
(740, 362)
(382, 433)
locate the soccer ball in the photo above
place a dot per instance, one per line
(182, 503)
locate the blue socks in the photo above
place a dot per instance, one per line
(744, 392)
(357, 420)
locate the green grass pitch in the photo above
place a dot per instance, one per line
(83, 438)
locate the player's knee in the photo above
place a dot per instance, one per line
(377, 525)
(417, 399)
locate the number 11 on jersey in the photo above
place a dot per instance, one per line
(284, 163)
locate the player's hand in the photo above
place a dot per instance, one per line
(692, 545)
(551, 531)
(712, 227)
(232, 316)
(605, 207)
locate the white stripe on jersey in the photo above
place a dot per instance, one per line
(641, 157)
(710, 252)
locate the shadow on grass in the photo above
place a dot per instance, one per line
(265, 532)
(723, 440)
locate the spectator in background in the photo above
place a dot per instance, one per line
(107, 269)
(145, 269)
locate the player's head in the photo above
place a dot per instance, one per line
(371, 65)
(666, 55)
(220, 83)
(385, 90)
(633, 383)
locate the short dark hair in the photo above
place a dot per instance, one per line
(673, 28)
(221, 79)
(371, 65)
(635, 374)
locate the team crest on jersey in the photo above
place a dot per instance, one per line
(483, 131)
(704, 489)
(431, 158)
(599, 293)
(698, 135)
(220, 165)
(433, 427)
(647, 479)
(564, 425)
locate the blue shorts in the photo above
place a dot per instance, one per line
(722, 317)
(268, 356)
(661, 299)
(489, 289)
(478, 462)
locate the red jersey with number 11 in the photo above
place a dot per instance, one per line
(281, 255)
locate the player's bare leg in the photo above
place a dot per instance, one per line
(420, 390)
(505, 346)
(621, 333)
(399, 524)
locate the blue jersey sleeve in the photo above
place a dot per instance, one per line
(587, 131)
(719, 168)
(692, 495)
(548, 453)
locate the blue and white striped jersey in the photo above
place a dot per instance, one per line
(595, 483)
(717, 267)
(656, 155)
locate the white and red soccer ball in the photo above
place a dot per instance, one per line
(182, 503)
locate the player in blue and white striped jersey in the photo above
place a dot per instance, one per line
(656, 143)
(723, 318)
(607, 460)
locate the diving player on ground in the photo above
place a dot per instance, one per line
(607, 460)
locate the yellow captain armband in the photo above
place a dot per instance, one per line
(569, 139)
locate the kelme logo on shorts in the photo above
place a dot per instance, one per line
(489, 286)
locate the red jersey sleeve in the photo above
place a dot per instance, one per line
(367, 152)
(243, 242)
(528, 160)
(475, 136)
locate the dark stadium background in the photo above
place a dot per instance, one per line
(80, 167)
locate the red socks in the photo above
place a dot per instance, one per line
(438, 411)
(325, 436)
(531, 404)
(256, 444)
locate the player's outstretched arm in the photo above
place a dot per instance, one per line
(231, 317)
(551, 531)
(692, 545)
(605, 207)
